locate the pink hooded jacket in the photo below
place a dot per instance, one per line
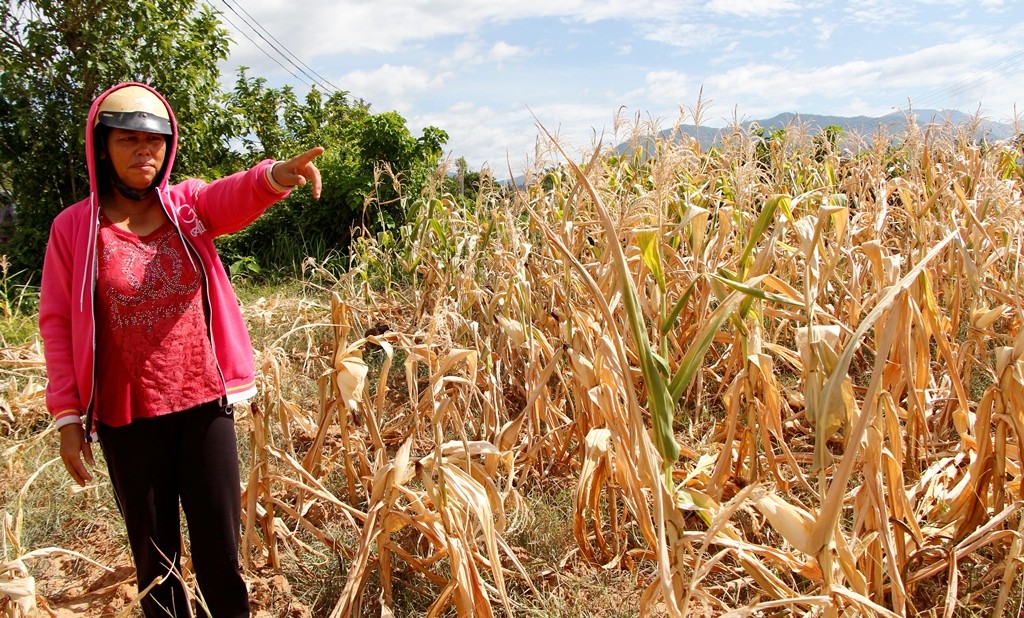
(200, 211)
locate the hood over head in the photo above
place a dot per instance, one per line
(132, 106)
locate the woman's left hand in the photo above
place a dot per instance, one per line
(299, 170)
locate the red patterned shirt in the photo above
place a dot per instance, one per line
(153, 351)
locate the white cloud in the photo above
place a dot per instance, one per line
(471, 67)
(333, 27)
(502, 51)
(485, 136)
(357, 26)
(941, 63)
(467, 52)
(749, 9)
(668, 87)
(786, 54)
(879, 12)
(629, 10)
(969, 4)
(683, 35)
(392, 87)
(759, 88)
(825, 29)
(511, 135)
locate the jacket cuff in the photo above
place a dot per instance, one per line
(274, 185)
(67, 418)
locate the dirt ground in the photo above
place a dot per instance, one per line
(68, 587)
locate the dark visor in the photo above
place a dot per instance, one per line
(135, 121)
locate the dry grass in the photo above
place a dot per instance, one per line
(766, 378)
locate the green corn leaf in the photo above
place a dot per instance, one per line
(435, 225)
(670, 320)
(650, 251)
(756, 292)
(694, 356)
(764, 220)
(662, 364)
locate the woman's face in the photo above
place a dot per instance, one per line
(136, 156)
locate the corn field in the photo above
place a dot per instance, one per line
(779, 378)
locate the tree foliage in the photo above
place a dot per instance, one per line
(371, 166)
(56, 56)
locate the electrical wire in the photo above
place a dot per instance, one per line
(265, 52)
(281, 48)
(1003, 67)
(295, 70)
(964, 86)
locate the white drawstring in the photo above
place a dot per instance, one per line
(91, 248)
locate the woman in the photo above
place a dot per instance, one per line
(145, 344)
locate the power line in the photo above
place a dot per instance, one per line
(1003, 67)
(321, 80)
(267, 54)
(278, 48)
(261, 48)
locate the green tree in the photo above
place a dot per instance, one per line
(359, 144)
(387, 145)
(827, 142)
(768, 144)
(56, 56)
(261, 111)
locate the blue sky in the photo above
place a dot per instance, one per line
(488, 72)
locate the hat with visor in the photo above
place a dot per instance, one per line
(134, 108)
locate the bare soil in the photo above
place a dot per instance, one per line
(71, 588)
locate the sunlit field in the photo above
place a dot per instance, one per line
(782, 376)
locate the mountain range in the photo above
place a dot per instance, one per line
(863, 126)
(853, 126)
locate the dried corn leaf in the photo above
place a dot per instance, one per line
(793, 522)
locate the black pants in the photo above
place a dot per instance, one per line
(191, 456)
